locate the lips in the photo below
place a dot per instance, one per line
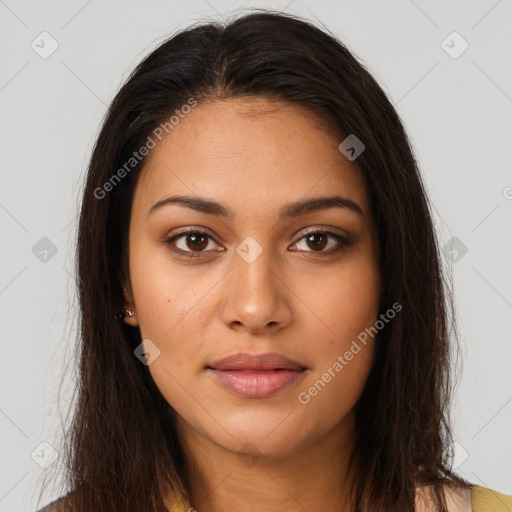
(267, 361)
(256, 375)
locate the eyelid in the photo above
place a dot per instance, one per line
(323, 229)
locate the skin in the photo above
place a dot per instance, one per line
(254, 157)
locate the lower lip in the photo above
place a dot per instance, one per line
(257, 383)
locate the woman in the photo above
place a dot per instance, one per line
(264, 321)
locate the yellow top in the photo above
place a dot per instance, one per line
(487, 500)
(483, 499)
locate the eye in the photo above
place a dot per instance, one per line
(191, 243)
(318, 240)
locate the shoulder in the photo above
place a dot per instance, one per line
(484, 499)
(477, 499)
(457, 499)
(474, 499)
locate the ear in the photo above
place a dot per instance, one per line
(129, 309)
(130, 320)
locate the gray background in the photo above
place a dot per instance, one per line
(456, 110)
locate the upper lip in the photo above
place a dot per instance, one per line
(246, 361)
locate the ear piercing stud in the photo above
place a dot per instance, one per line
(121, 315)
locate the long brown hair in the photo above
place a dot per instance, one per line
(121, 450)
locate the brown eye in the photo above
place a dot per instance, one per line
(189, 243)
(196, 241)
(316, 241)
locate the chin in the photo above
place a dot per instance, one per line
(257, 445)
(260, 436)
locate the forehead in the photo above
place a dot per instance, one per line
(249, 152)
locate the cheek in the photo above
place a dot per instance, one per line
(344, 307)
(343, 301)
(344, 357)
(164, 292)
(333, 391)
(175, 305)
(166, 307)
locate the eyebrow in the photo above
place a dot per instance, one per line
(291, 210)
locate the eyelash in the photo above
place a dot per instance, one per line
(343, 242)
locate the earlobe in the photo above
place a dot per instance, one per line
(130, 317)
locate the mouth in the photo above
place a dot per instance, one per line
(256, 375)
(257, 383)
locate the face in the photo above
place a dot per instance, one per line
(247, 273)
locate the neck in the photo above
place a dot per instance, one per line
(315, 476)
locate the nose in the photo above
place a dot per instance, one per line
(256, 299)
